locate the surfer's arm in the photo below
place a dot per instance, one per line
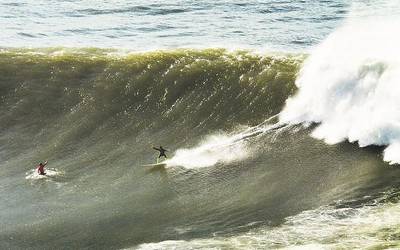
(156, 148)
(45, 163)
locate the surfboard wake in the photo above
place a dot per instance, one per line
(223, 148)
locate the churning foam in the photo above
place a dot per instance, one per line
(34, 175)
(214, 149)
(223, 148)
(327, 227)
(350, 85)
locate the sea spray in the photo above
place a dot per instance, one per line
(350, 86)
(226, 148)
(218, 148)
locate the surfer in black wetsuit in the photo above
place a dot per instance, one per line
(162, 152)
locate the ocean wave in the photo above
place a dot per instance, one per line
(349, 86)
(189, 86)
(335, 226)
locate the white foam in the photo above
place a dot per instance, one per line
(34, 175)
(350, 85)
(326, 227)
(218, 148)
(223, 147)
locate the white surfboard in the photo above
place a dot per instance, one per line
(161, 164)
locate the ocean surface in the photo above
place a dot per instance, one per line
(151, 25)
(281, 120)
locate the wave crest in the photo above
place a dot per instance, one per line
(350, 86)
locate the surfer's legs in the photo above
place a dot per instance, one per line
(161, 155)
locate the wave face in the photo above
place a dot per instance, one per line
(233, 179)
(204, 89)
(95, 114)
(350, 87)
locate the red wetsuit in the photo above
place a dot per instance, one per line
(40, 169)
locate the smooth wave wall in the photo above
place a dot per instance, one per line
(73, 94)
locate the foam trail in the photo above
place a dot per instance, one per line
(351, 86)
(214, 149)
(221, 148)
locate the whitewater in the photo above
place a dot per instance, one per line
(349, 86)
(280, 118)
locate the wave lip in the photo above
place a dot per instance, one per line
(349, 85)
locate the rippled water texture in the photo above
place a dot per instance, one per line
(280, 118)
(143, 25)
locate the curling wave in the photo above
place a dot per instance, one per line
(349, 86)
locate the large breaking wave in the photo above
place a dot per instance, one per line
(350, 86)
(242, 171)
(95, 115)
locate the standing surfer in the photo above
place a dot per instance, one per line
(40, 168)
(162, 152)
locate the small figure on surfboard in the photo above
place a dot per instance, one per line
(40, 168)
(162, 164)
(162, 152)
